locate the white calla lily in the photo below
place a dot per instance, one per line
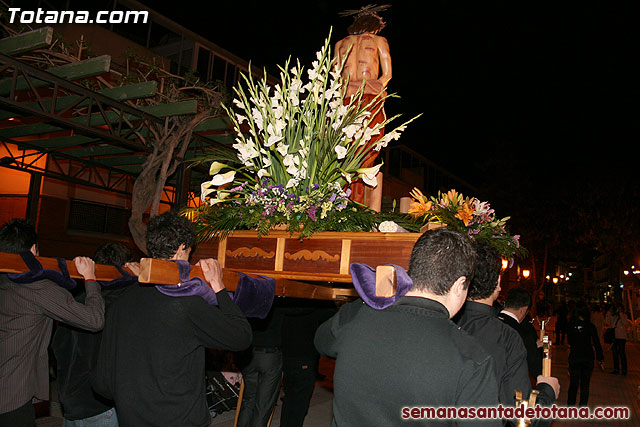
(216, 167)
(206, 189)
(223, 178)
(368, 175)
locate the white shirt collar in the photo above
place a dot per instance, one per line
(510, 314)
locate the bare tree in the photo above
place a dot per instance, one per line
(169, 143)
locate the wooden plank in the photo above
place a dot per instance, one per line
(74, 71)
(62, 142)
(26, 42)
(172, 109)
(213, 123)
(97, 150)
(113, 117)
(32, 129)
(345, 256)
(13, 263)
(164, 272)
(120, 160)
(122, 93)
(287, 284)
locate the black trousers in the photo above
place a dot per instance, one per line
(261, 381)
(298, 382)
(24, 416)
(579, 377)
(619, 355)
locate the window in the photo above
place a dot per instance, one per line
(98, 218)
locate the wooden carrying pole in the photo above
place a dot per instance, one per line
(162, 272)
(13, 263)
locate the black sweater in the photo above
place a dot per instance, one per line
(583, 337)
(152, 357)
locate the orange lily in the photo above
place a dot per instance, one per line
(465, 213)
(417, 195)
(452, 196)
(421, 206)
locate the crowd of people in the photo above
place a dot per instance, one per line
(134, 355)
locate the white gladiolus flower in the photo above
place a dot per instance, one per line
(263, 172)
(292, 183)
(257, 118)
(278, 112)
(272, 140)
(351, 130)
(278, 93)
(246, 152)
(293, 97)
(238, 104)
(362, 117)
(288, 160)
(341, 151)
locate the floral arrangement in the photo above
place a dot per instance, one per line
(298, 147)
(469, 216)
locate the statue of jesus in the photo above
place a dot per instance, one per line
(368, 62)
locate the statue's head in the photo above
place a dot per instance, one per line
(366, 19)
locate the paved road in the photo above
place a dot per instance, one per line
(607, 390)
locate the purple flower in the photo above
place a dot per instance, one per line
(312, 212)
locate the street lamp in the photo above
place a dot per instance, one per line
(526, 273)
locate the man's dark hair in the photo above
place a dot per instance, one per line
(112, 254)
(581, 310)
(517, 298)
(17, 235)
(165, 234)
(485, 277)
(438, 259)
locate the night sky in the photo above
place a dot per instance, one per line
(549, 81)
(536, 99)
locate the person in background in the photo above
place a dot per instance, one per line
(76, 352)
(617, 319)
(261, 367)
(583, 339)
(479, 319)
(514, 314)
(300, 357)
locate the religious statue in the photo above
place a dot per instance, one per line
(368, 63)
